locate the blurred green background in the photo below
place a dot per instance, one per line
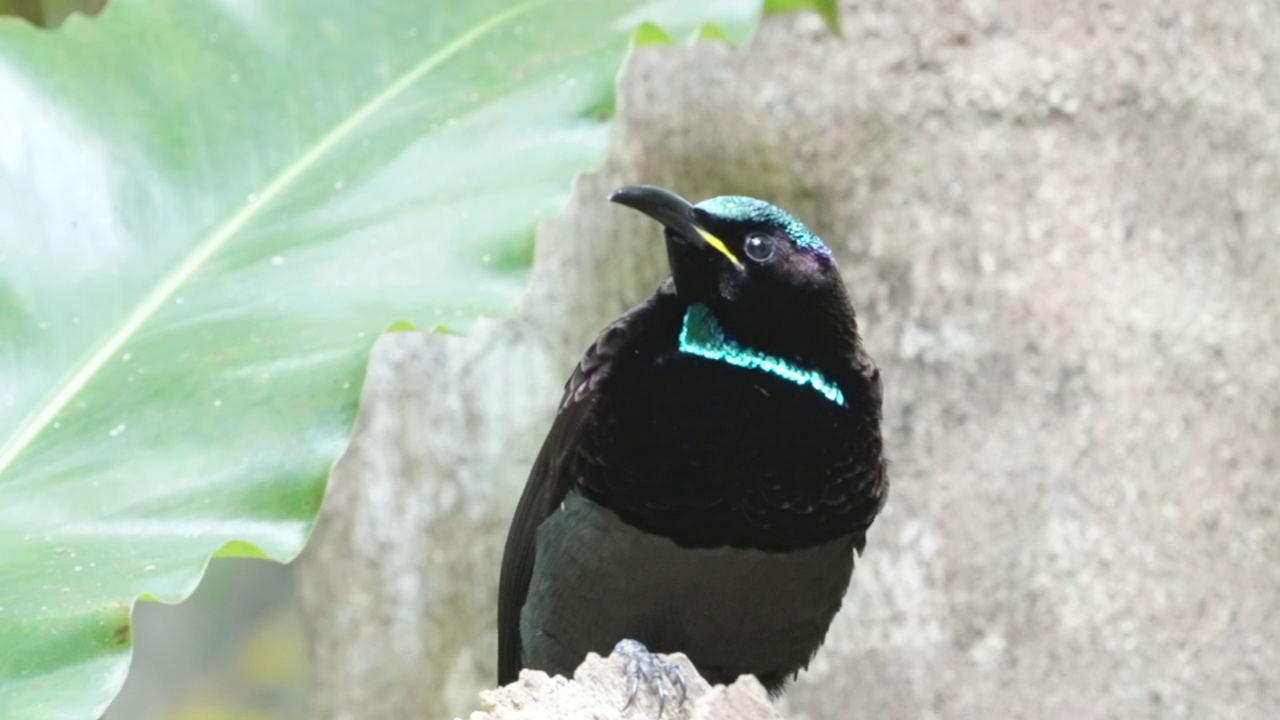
(234, 651)
(49, 13)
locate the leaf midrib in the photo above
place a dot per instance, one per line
(29, 429)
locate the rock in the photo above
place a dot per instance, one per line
(1059, 224)
(598, 691)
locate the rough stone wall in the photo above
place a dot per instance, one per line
(1060, 223)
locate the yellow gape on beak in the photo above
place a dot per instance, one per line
(674, 212)
(718, 244)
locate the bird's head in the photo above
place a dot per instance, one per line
(768, 279)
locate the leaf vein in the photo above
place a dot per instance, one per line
(31, 428)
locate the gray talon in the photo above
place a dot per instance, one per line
(641, 663)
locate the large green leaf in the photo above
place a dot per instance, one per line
(208, 210)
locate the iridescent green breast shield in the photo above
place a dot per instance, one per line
(702, 336)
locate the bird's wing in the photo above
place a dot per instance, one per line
(877, 488)
(555, 469)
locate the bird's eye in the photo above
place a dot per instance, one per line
(758, 247)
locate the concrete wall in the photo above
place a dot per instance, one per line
(1060, 224)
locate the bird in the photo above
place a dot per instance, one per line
(713, 466)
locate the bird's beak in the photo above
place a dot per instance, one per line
(674, 212)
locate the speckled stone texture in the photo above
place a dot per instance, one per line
(1060, 223)
(598, 691)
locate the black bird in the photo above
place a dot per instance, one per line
(715, 462)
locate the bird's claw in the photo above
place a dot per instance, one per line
(641, 663)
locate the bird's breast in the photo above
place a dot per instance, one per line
(598, 579)
(710, 454)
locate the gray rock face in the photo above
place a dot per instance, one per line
(1060, 224)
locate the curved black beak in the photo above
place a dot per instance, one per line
(674, 212)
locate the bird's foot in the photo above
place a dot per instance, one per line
(646, 665)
